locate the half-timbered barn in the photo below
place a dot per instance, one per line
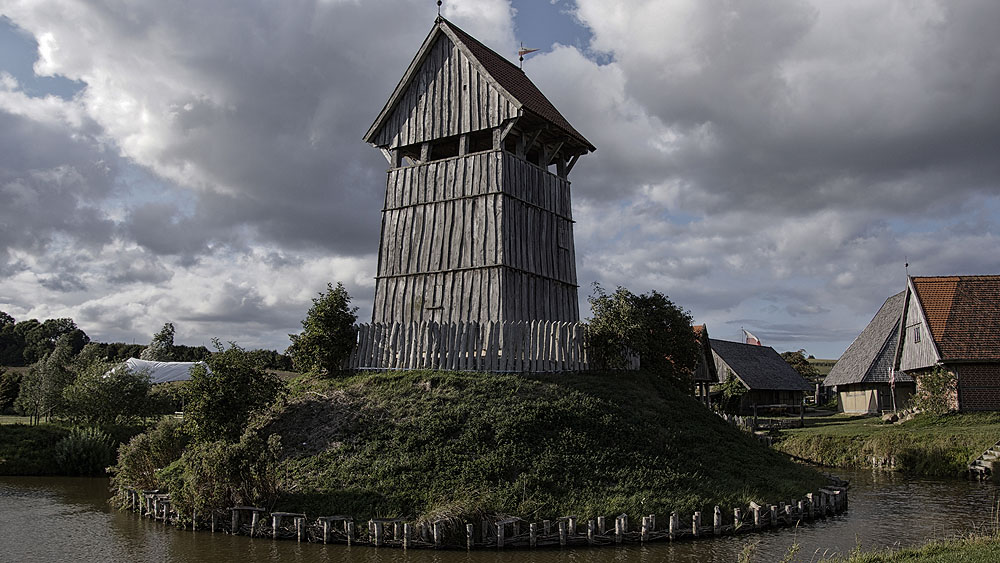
(863, 377)
(477, 224)
(768, 379)
(953, 323)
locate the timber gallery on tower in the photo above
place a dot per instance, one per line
(476, 266)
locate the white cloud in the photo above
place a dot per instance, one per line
(767, 164)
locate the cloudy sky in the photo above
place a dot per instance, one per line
(766, 164)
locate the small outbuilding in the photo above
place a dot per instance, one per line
(768, 379)
(863, 376)
(705, 374)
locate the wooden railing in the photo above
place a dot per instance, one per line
(536, 346)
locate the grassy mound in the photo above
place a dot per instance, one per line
(930, 445)
(431, 444)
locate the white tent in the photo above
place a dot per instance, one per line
(163, 372)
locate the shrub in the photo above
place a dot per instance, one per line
(144, 455)
(649, 325)
(217, 474)
(936, 391)
(732, 393)
(10, 386)
(328, 333)
(106, 394)
(221, 397)
(85, 451)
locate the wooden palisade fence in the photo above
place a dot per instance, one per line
(565, 531)
(518, 346)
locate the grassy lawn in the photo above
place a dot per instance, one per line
(925, 445)
(14, 419)
(975, 549)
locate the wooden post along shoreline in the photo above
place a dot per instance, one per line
(496, 534)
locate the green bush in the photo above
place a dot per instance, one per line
(328, 333)
(936, 391)
(649, 325)
(222, 395)
(28, 450)
(144, 455)
(218, 474)
(10, 386)
(105, 394)
(85, 451)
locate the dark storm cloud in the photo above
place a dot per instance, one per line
(51, 181)
(795, 107)
(63, 283)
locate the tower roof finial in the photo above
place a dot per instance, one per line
(439, 8)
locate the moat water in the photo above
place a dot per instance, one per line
(69, 519)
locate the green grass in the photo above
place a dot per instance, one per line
(973, 549)
(926, 445)
(434, 444)
(14, 419)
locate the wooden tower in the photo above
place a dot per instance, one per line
(477, 224)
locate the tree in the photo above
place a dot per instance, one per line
(11, 345)
(224, 392)
(41, 392)
(328, 333)
(649, 325)
(798, 361)
(161, 348)
(105, 393)
(38, 339)
(10, 386)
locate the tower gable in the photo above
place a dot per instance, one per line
(444, 93)
(456, 85)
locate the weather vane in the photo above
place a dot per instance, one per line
(521, 53)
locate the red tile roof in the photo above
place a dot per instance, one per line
(963, 314)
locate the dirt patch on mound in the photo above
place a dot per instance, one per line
(315, 423)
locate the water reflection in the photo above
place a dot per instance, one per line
(53, 519)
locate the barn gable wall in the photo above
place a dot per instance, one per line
(914, 354)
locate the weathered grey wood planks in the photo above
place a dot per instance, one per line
(449, 97)
(536, 346)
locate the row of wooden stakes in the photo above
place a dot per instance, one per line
(506, 533)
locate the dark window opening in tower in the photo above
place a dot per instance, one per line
(534, 157)
(409, 155)
(445, 148)
(510, 144)
(480, 141)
